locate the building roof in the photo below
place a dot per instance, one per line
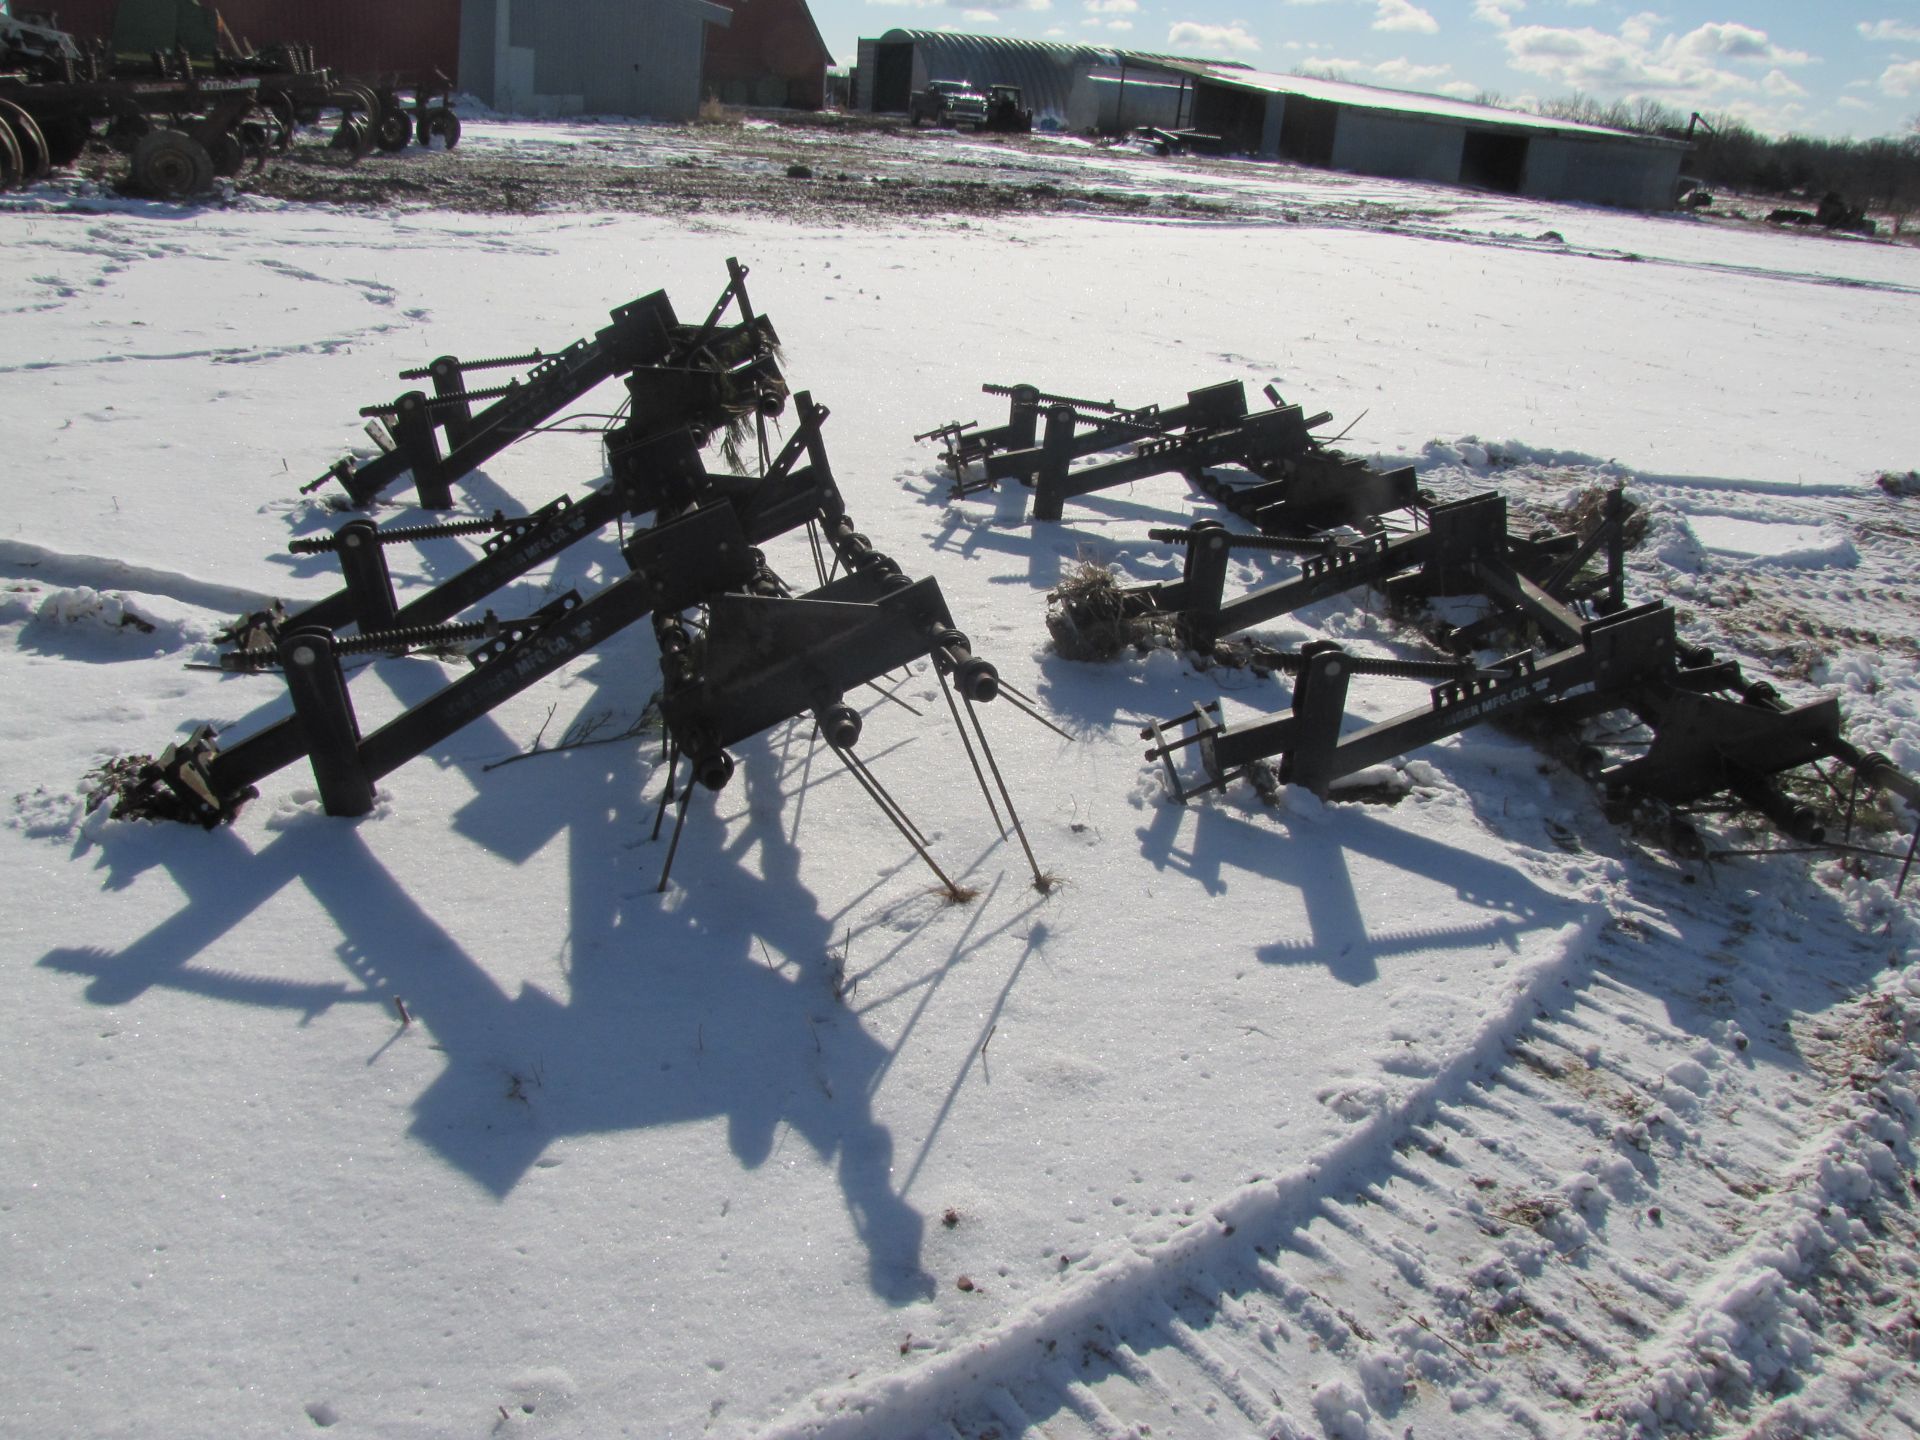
(1405, 102)
(1049, 49)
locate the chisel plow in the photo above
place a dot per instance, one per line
(741, 648)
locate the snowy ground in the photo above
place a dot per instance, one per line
(1461, 1117)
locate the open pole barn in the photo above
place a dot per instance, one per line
(1407, 136)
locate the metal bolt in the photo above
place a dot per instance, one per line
(305, 655)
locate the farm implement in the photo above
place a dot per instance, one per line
(740, 649)
(1667, 730)
(187, 103)
(1305, 484)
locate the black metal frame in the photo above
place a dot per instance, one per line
(1300, 484)
(1717, 738)
(740, 650)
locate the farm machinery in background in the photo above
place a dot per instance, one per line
(740, 649)
(1667, 730)
(953, 103)
(188, 102)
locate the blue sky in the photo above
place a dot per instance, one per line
(1781, 65)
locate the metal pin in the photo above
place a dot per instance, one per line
(1040, 881)
(671, 759)
(1026, 704)
(868, 783)
(961, 726)
(673, 846)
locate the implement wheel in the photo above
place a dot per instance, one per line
(439, 128)
(13, 169)
(395, 130)
(171, 165)
(36, 156)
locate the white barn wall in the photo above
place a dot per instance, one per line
(1097, 101)
(561, 57)
(1565, 168)
(1398, 147)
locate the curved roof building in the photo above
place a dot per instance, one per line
(902, 61)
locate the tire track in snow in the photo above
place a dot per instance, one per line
(1224, 1240)
(1550, 1236)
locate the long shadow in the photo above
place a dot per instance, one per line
(677, 1009)
(1310, 858)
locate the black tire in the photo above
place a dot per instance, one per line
(36, 156)
(395, 131)
(439, 128)
(13, 169)
(171, 165)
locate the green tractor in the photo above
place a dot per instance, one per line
(1007, 113)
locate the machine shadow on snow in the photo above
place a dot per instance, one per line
(1312, 859)
(673, 1014)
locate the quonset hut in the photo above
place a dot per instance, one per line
(1061, 84)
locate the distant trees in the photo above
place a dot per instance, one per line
(1882, 175)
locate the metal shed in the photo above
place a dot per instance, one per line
(595, 57)
(1407, 136)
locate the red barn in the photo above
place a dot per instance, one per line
(771, 55)
(364, 38)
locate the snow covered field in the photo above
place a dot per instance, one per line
(1466, 1116)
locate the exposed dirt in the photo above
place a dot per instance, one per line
(804, 168)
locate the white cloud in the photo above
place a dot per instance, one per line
(980, 17)
(1779, 84)
(1406, 73)
(1220, 38)
(1737, 43)
(1460, 89)
(1707, 64)
(1497, 13)
(1902, 79)
(1854, 102)
(1888, 30)
(1113, 7)
(1403, 15)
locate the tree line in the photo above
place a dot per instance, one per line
(1880, 175)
